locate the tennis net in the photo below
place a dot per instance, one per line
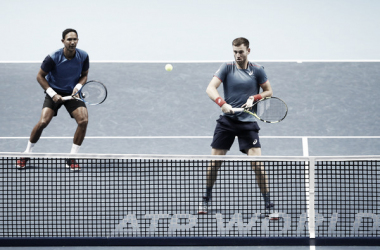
(158, 197)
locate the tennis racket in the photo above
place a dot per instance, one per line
(92, 93)
(269, 110)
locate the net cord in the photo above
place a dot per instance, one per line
(190, 157)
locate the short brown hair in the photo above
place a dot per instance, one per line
(239, 41)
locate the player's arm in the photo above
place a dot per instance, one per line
(83, 77)
(45, 85)
(267, 92)
(212, 92)
(82, 80)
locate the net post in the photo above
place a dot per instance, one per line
(311, 205)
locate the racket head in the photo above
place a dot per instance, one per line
(270, 110)
(93, 92)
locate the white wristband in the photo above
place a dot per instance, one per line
(78, 86)
(51, 92)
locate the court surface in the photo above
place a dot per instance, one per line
(151, 111)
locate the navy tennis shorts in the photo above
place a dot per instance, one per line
(227, 129)
(70, 105)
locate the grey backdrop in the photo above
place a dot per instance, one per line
(193, 30)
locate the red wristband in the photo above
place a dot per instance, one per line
(220, 101)
(257, 97)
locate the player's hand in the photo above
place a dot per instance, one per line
(249, 103)
(57, 98)
(75, 90)
(227, 109)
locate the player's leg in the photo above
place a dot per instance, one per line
(78, 111)
(249, 143)
(49, 110)
(212, 171)
(81, 117)
(46, 116)
(211, 176)
(261, 176)
(222, 142)
(258, 167)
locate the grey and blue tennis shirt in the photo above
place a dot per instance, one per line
(240, 84)
(64, 74)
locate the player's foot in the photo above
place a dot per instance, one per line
(203, 205)
(21, 163)
(72, 164)
(268, 214)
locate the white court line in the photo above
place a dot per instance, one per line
(192, 137)
(113, 137)
(222, 61)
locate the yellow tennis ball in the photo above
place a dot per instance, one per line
(168, 67)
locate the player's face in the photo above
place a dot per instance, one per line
(241, 55)
(70, 42)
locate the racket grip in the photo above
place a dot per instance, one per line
(66, 98)
(238, 109)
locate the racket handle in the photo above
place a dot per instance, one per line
(238, 109)
(66, 98)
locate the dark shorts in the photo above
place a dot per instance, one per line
(70, 105)
(227, 129)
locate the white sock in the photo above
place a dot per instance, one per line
(75, 149)
(29, 147)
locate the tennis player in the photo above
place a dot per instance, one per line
(62, 73)
(242, 81)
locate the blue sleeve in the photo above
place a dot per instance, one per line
(261, 76)
(222, 72)
(48, 64)
(86, 64)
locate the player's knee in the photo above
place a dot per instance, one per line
(214, 168)
(43, 124)
(257, 166)
(83, 122)
(215, 165)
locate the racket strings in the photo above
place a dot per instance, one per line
(94, 92)
(271, 109)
